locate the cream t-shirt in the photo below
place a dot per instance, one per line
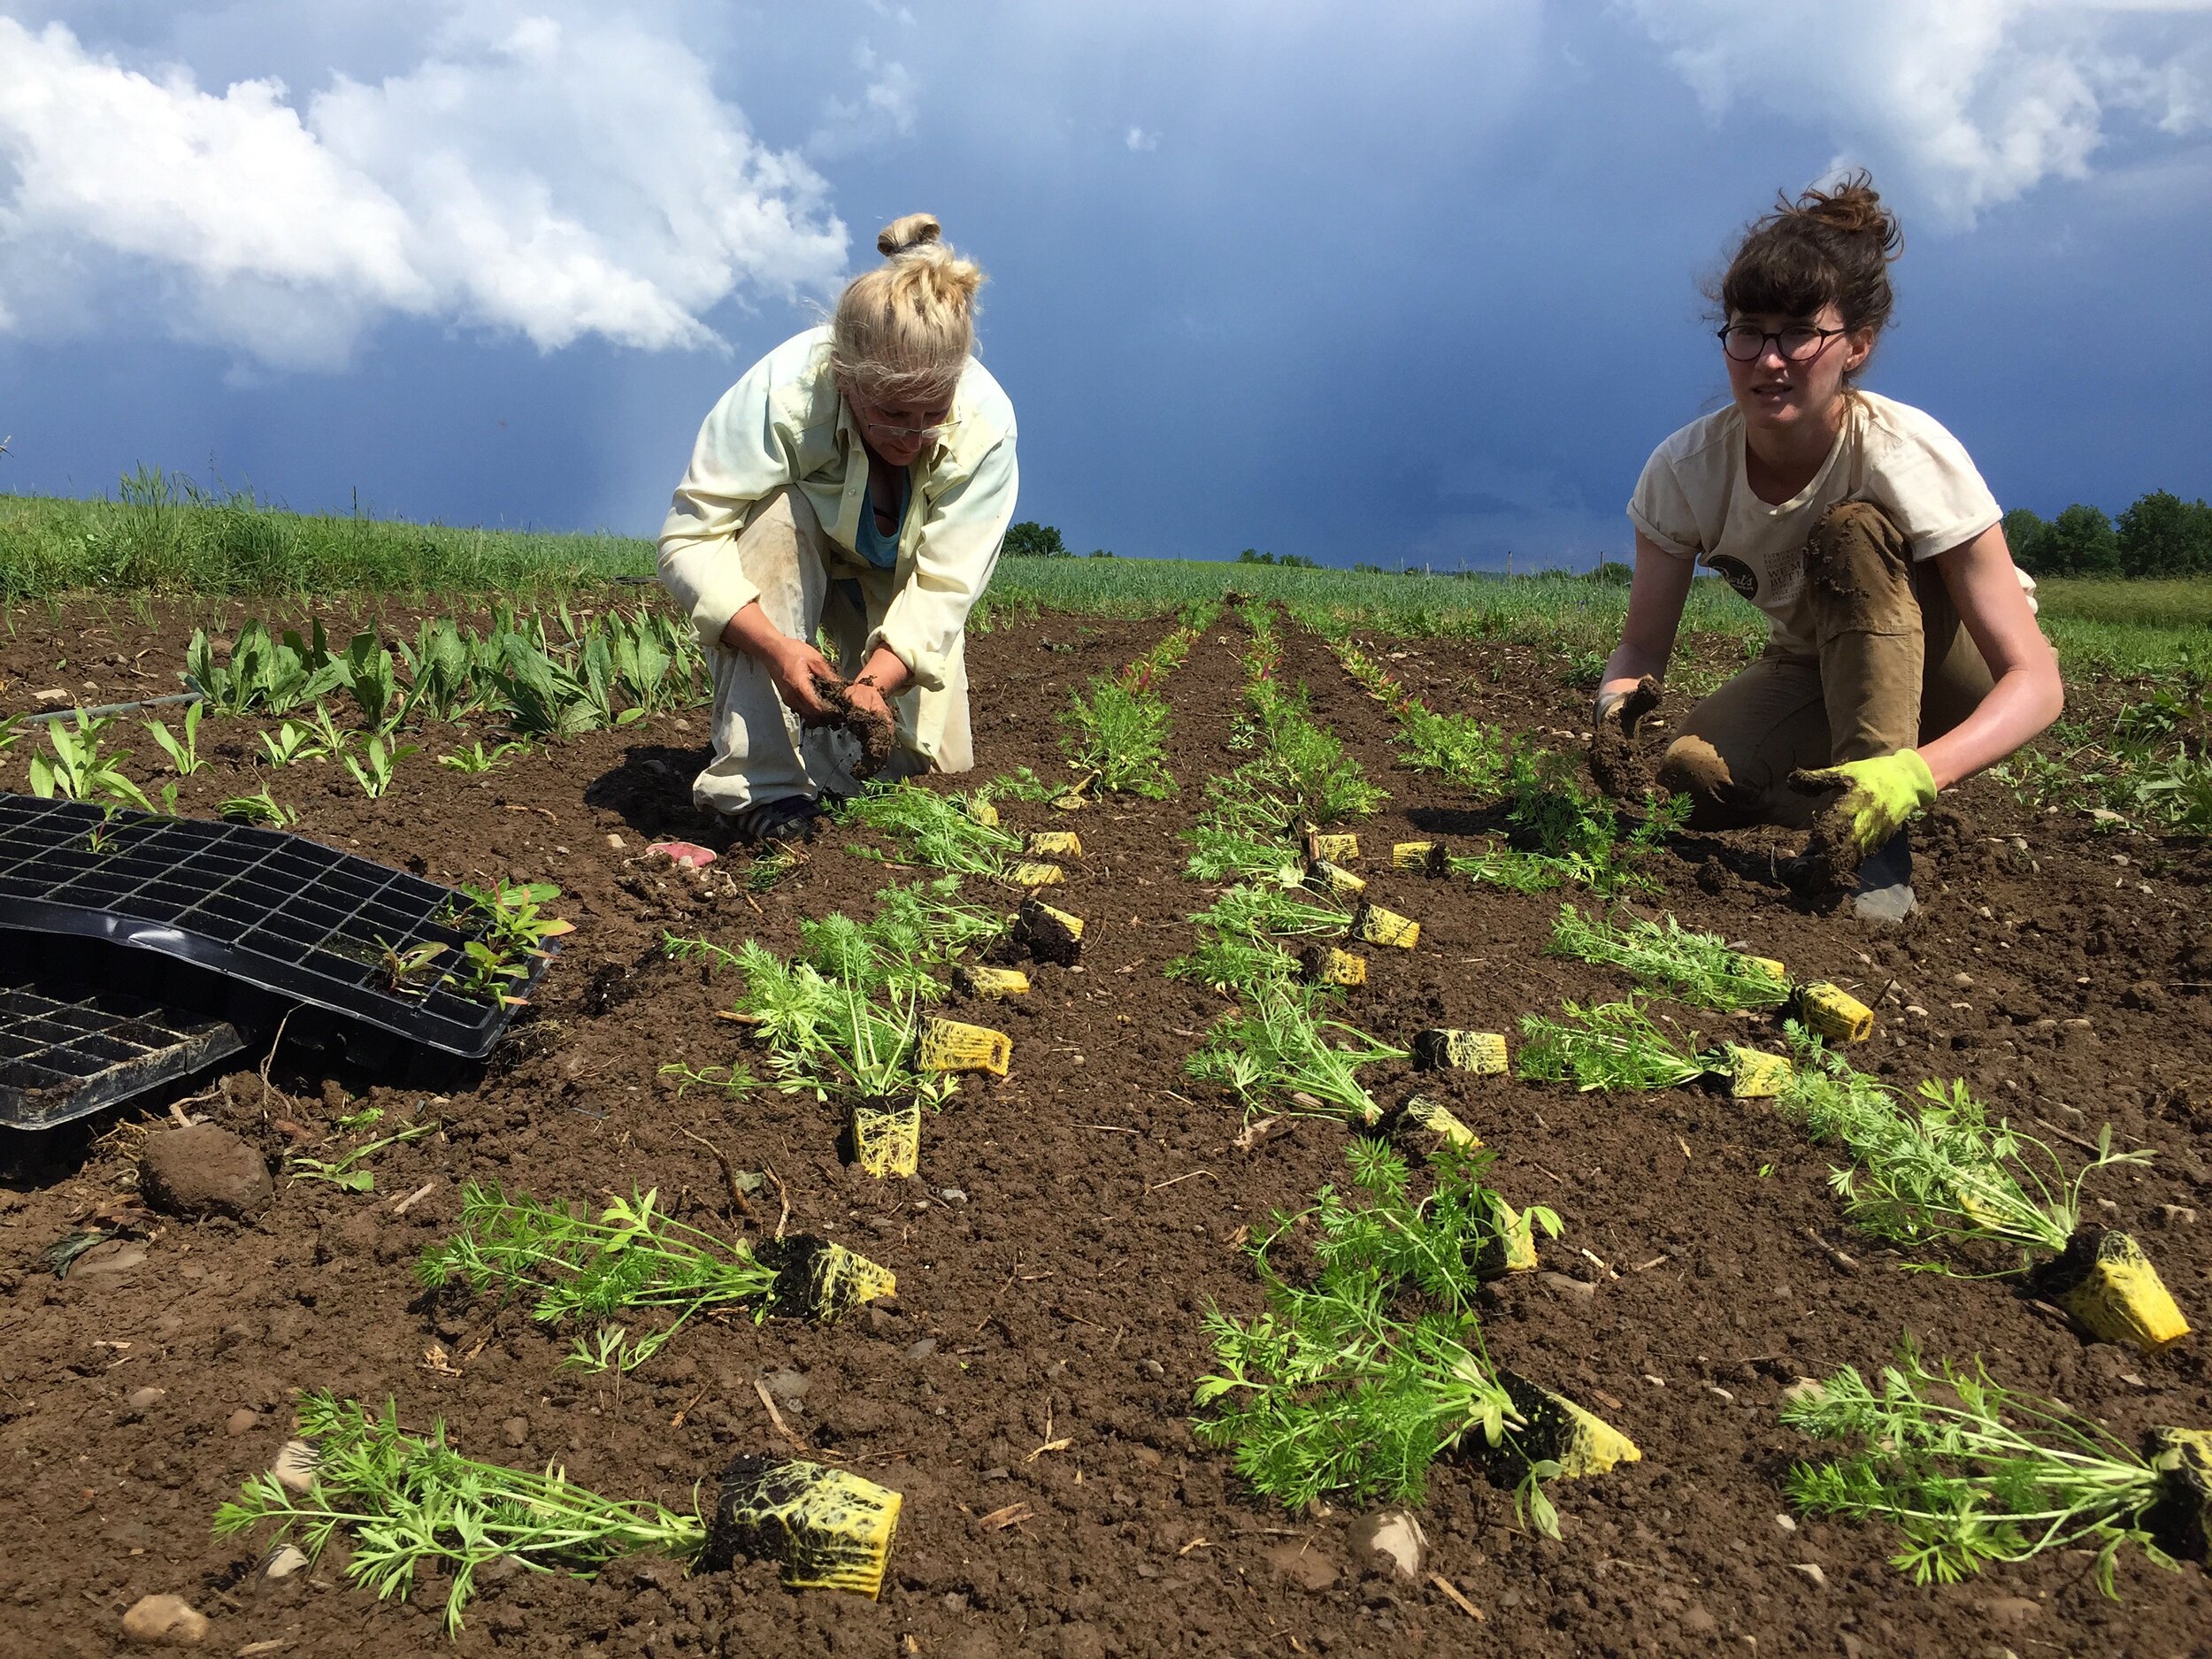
(1693, 501)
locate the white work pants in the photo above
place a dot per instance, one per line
(808, 585)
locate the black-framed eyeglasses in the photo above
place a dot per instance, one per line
(1747, 344)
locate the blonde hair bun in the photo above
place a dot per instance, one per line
(907, 232)
(904, 331)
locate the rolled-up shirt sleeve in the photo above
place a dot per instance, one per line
(955, 551)
(1660, 509)
(740, 457)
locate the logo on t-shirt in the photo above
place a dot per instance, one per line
(1735, 572)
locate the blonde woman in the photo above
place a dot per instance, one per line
(857, 482)
(1902, 652)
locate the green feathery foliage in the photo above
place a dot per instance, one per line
(1611, 1045)
(1971, 1472)
(1697, 968)
(1277, 1049)
(932, 829)
(1356, 1382)
(406, 1500)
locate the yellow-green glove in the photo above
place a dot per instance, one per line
(1878, 796)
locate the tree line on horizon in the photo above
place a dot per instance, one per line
(2158, 535)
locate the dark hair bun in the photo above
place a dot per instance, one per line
(1853, 207)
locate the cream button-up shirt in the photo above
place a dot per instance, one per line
(785, 423)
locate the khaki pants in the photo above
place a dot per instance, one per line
(808, 584)
(1895, 668)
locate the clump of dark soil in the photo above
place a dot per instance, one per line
(1617, 760)
(877, 735)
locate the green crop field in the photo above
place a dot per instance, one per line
(165, 535)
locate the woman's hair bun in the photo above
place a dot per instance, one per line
(1854, 207)
(903, 235)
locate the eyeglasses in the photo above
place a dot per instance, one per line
(1747, 344)
(875, 424)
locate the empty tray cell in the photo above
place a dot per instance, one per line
(269, 908)
(69, 1046)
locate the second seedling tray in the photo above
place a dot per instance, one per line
(274, 910)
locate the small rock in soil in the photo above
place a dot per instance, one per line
(1389, 1540)
(1152, 1368)
(515, 1431)
(106, 1259)
(203, 1171)
(953, 1195)
(1812, 1570)
(245, 1420)
(285, 1562)
(1303, 1565)
(144, 1399)
(922, 1350)
(1574, 1289)
(788, 1388)
(2176, 1216)
(156, 1619)
(295, 1466)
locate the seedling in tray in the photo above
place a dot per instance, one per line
(1359, 1381)
(261, 809)
(1613, 1045)
(80, 769)
(1697, 968)
(409, 1500)
(634, 1257)
(1277, 1053)
(1973, 1473)
(1935, 1170)
(934, 829)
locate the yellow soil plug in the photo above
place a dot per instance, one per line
(993, 982)
(1053, 844)
(983, 812)
(948, 1045)
(1426, 1114)
(822, 1280)
(828, 1529)
(1440, 1048)
(1753, 1074)
(1334, 879)
(1768, 966)
(1581, 1443)
(1511, 1249)
(1035, 875)
(1325, 964)
(1427, 857)
(1834, 1014)
(2104, 1280)
(1375, 926)
(2181, 1520)
(887, 1140)
(1046, 934)
(1336, 849)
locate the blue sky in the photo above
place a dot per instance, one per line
(1415, 282)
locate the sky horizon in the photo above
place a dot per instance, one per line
(1415, 286)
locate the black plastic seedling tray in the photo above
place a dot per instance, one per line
(70, 1046)
(302, 921)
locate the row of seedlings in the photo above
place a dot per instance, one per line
(1971, 1472)
(1558, 831)
(1366, 1370)
(588, 671)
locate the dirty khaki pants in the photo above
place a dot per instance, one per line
(808, 584)
(1895, 668)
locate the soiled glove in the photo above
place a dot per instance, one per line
(1878, 796)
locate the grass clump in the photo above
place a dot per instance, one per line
(1357, 1381)
(1699, 968)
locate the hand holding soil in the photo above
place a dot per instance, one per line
(1620, 770)
(801, 673)
(859, 710)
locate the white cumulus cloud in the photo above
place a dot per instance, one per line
(555, 177)
(1976, 101)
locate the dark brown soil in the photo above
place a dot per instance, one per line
(1073, 1223)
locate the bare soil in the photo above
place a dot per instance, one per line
(1027, 1391)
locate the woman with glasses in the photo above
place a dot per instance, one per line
(1902, 652)
(857, 482)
